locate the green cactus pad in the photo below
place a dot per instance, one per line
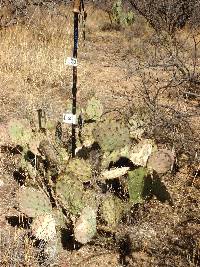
(20, 132)
(70, 191)
(80, 168)
(33, 202)
(72, 194)
(136, 183)
(112, 209)
(94, 109)
(111, 135)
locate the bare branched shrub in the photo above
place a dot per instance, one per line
(170, 90)
(11, 11)
(165, 74)
(167, 15)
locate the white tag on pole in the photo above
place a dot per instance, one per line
(71, 61)
(69, 118)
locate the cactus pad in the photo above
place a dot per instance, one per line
(20, 132)
(161, 161)
(111, 135)
(115, 156)
(136, 182)
(111, 210)
(33, 202)
(94, 109)
(44, 227)
(87, 138)
(70, 191)
(80, 168)
(85, 227)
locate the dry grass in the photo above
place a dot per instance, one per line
(33, 73)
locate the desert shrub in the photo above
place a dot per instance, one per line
(166, 15)
(169, 88)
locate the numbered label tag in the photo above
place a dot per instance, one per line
(69, 118)
(71, 61)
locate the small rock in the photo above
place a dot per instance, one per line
(1, 183)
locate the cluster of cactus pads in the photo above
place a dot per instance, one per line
(78, 192)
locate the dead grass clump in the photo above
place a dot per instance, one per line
(16, 249)
(33, 53)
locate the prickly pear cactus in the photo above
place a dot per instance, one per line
(72, 194)
(114, 156)
(70, 191)
(161, 161)
(33, 202)
(44, 227)
(136, 182)
(80, 168)
(20, 132)
(141, 152)
(111, 210)
(86, 137)
(94, 109)
(59, 218)
(85, 226)
(111, 135)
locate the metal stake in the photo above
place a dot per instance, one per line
(76, 10)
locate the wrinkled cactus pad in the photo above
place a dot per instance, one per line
(85, 226)
(33, 202)
(70, 191)
(161, 161)
(111, 210)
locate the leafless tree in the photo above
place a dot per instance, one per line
(166, 14)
